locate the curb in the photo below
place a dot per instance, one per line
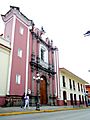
(18, 113)
(41, 111)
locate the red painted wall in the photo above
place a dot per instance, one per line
(88, 89)
(8, 29)
(2, 100)
(19, 64)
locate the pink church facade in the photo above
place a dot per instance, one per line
(30, 54)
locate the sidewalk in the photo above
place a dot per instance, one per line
(6, 111)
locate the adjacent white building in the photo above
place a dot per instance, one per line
(72, 88)
(4, 66)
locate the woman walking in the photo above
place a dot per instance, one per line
(26, 101)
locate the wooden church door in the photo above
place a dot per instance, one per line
(43, 92)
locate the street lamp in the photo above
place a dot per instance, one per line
(38, 78)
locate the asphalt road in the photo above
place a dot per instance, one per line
(83, 114)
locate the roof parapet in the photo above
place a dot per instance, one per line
(16, 11)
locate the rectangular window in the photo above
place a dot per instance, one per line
(63, 79)
(81, 88)
(18, 79)
(78, 87)
(75, 100)
(84, 88)
(19, 52)
(70, 83)
(8, 38)
(71, 98)
(42, 54)
(21, 30)
(73, 84)
(80, 99)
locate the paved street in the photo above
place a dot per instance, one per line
(83, 114)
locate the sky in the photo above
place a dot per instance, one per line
(65, 22)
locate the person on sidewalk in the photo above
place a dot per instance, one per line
(23, 101)
(26, 101)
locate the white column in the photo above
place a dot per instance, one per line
(27, 61)
(57, 76)
(10, 63)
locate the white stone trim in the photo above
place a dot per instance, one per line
(21, 22)
(27, 61)
(18, 14)
(10, 64)
(57, 81)
(58, 75)
(8, 20)
(21, 17)
(55, 74)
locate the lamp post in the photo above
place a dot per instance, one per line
(38, 78)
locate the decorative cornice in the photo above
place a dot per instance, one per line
(39, 39)
(16, 11)
(38, 66)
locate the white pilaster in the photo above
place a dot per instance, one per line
(57, 79)
(10, 63)
(55, 74)
(27, 61)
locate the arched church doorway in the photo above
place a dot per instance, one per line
(43, 90)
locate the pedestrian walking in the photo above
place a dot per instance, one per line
(23, 101)
(26, 101)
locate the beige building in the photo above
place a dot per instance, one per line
(4, 66)
(72, 88)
